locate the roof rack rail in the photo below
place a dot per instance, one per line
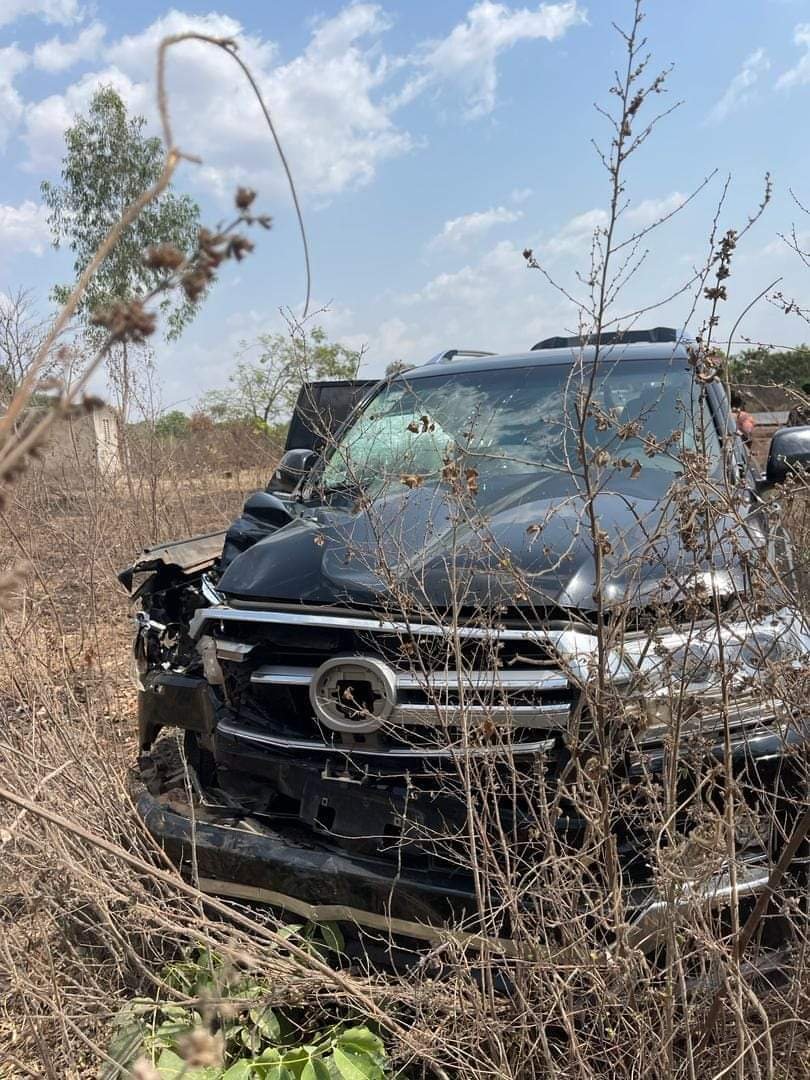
(451, 354)
(612, 337)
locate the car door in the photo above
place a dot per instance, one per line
(321, 410)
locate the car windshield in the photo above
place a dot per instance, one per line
(524, 421)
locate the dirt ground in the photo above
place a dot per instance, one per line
(67, 705)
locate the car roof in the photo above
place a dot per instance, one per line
(643, 350)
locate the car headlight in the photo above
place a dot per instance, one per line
(697, 663)
(695, 666)
(761, 649)
(676, 665)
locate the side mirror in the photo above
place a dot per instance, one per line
(789, 450)
(294, 465)
(264, 507)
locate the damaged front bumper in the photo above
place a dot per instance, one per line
(253, 708)
(250, 861)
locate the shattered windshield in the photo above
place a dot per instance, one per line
(525, 421)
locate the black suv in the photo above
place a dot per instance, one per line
(435, 576)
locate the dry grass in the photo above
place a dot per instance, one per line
(67, 739)
(84, 929)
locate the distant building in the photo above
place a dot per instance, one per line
(82, 445)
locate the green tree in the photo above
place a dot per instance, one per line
(108, 162)
(172, 425)
(263, 388)
(789, 368)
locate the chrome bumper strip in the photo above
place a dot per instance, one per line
(431, 753)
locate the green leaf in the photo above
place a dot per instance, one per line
(172, 1067)
(240, 1070)
(252, 1039)
(165, 1036)
(295, 1060)
(125, 1047)
(332, 936)
(176, 1013)
(267, 1023)
(315, 1069)
(352, 1066)
(270, 1055)
(291, 930)
(268, 1066)
(361, 1040)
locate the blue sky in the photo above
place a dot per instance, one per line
(431, 143)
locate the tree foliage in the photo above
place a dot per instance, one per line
(263, 388)
(761, 367)
(173, 424)
(108, 162)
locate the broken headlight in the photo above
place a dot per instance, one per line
(697, 662)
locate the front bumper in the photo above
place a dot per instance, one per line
(296, 867)
(314, 883)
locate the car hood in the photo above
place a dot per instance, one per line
(515, 544)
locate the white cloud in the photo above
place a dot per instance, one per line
(55, 11)
(57, 55)
(741, 88)
(491, 302)
(327, 103)
(334, 104)
(23, 229)
(520, 195)
(648, 211)
(46, 120)
(800, 73)
(12, 62)
(468, 56)
(458, 231)
(575, 236)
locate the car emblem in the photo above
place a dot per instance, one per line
(353, 694)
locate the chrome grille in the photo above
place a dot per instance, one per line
(447, 699)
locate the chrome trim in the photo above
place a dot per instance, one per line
(649, 927)
(209, 592)
(325, 692)
(506, 679)
(742, 718)
(235, 651)
(576, 649)
(282, 675)
(261, 739)
(433, 713)
(385, 626)
(511, 679)
(543, 717)
(146, 623)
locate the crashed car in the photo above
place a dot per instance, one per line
(431, 578)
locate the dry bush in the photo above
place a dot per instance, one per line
(91, 910)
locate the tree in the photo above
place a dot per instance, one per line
(172, 425)
(108, 162)
(22, 331)
(396, 367)
(759, 367)
(264, 389)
